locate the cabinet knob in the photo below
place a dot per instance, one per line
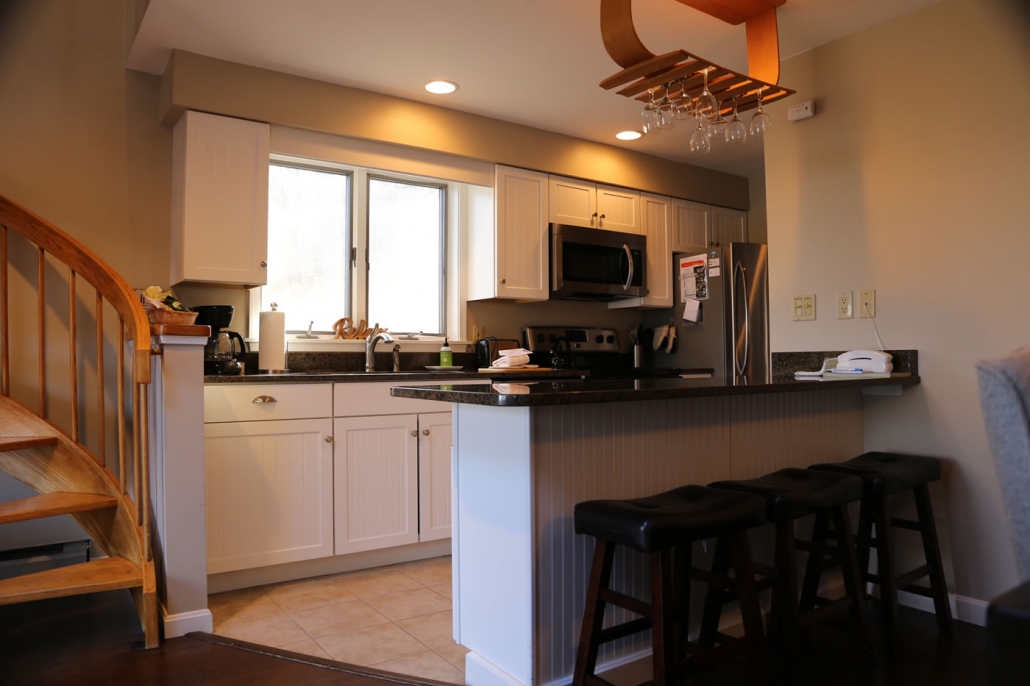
(264, 263)
(425, 432)
(414, 432)
(328, 439)
(504, 281)
(264, 399)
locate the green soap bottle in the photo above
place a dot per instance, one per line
(446, 354)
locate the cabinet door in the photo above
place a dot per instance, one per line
(618, 209)
(269, 492)
(521, 247)
(729, 226)
(656, 218)
(572, 202)
(691, 226)
(376, 482)
(434, 476)
(219, 200)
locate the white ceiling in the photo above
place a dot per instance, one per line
(535, 62)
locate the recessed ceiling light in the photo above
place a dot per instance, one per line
(441, 87)
(628, 135)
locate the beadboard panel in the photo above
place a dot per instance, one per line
(627, 450)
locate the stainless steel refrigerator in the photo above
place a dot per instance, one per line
(732, 334)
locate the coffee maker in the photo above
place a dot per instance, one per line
(221, 354)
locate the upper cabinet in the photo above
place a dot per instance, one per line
(219, 200)
(691, 225)
(508, 259)
(728, 226)
(656, 221)
(582, 203)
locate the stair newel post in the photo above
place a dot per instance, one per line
(5, 340)
(41, 314)
(137, 472)
(121, 406)
(72, 358)
(102, 447)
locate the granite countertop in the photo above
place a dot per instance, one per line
(370, 377)
(578, 391)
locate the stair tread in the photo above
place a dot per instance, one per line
(52, 504)
(8, 443)
(88, 577)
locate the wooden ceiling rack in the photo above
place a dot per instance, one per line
(644, 72)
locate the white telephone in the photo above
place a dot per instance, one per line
(866, 361)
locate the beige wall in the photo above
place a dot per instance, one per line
(924, 200)
(757, 221)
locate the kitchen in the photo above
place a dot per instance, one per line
(869, 249)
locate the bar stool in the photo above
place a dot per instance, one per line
(885, 474)
(789, 495)
(655, 525)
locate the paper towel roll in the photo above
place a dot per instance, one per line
(272, 341)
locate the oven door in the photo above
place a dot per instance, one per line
(592, 264)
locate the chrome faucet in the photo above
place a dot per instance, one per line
(370, 349)
(396, 357)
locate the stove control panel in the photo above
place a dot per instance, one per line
(544, 338)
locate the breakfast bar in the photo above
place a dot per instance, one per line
(525, 453)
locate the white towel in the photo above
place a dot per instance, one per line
(510, 361)
(513, 351)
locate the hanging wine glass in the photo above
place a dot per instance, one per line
(706, 104)
(683, 104)
(651, 119)
(717, 125)
(761, 122)
(666, 109)
(700, 142)
(736, 131)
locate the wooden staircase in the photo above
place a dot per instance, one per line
(103, 484)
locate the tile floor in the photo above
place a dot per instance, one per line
(395, 618)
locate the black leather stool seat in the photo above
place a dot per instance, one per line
(888, 473)
(792, 493)
(687, 513)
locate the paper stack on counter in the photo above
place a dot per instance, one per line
(515, 357)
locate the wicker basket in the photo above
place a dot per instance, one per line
(159, 316)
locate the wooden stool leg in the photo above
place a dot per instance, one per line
(663, 624)
(853, 584)
(888, 578)
(865, 535)
(814, 565)
(593, 613)
(750, 611)
(932, 550)
(785, 597)
(683, 559)
(715, 597)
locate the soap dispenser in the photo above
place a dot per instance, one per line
(446, 354)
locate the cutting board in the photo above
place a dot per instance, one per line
(523, 368)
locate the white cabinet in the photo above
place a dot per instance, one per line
(582, 203)
(219, 200)
(268, 492)
(434, 476)
(728, 226)
(656, 221)
(509, 259)
(691, 225)
(376, 482)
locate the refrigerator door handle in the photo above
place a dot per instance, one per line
(741, 367)
(629, 259)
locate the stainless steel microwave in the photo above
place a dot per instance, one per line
(593, 264)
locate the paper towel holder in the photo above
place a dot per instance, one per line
(262, 343)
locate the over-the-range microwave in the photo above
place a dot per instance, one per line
(594, 264)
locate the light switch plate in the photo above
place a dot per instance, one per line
(803, 307)
(844, 310)
(867, 303)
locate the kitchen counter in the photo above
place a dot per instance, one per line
(367, 377)
(578, 391)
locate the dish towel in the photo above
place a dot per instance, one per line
(516, 357)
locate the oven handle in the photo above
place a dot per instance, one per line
(629, 260)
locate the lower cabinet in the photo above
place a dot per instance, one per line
(434, 476)
(268, 492)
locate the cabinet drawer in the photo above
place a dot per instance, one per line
(236, 402)
(360, 399)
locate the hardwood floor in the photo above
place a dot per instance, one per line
(90, 639)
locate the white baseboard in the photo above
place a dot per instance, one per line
(481, 672)
(963, 609)
(184, 622)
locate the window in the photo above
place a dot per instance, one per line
(348, 242)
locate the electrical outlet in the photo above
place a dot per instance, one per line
(844, 305)
(477, 333)
(867, 303)
(803, 308)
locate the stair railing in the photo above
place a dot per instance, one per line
(133, 330)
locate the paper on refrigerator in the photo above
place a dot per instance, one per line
(691, 310)
(694, 277)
